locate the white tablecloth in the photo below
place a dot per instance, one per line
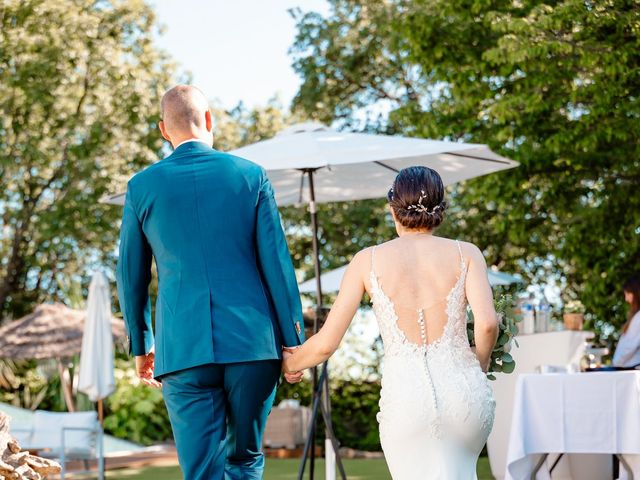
(574, 413)
(552, 348)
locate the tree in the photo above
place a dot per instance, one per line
(80, 84)
(553, 85)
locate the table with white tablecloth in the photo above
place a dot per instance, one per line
(578, 413)
(551, 348)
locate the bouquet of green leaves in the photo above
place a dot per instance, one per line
(501, 359)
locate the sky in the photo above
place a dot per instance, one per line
(235, 50)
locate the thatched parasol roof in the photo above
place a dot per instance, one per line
(50, 331)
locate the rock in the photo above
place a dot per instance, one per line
(16, 464)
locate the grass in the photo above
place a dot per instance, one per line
(287, 470)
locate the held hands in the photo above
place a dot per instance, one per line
(291, 377)
(144, 369)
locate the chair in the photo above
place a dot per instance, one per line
(65, 437)
(286, 426)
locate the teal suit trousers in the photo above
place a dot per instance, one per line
(218, 413)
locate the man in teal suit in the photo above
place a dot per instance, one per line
(227, 301)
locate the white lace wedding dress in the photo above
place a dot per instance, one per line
(436, 406)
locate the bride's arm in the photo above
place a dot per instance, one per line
(322, 345)
(480, 299)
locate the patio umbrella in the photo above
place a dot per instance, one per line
(51, 331)
(331, 280)
(97, 379)
(357, 166)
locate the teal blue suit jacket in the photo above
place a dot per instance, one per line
(227, 291)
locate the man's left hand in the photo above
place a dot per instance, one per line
(291, 377)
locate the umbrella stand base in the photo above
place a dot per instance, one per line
(321, 389)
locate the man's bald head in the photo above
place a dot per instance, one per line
(185, 113)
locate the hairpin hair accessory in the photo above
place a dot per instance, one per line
(419, 207)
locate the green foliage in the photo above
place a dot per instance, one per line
(354, 409)
(501, 359)
(552, 85)
(354, 406)
(299, 391)
(344, 229)
(36, 385)
(80, 84)
(21, 385)
(134, 411)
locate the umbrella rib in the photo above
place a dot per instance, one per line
(386, 166)
(477, 158)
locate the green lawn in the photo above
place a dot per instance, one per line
(287, 469)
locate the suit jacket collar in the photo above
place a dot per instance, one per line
(191, 147)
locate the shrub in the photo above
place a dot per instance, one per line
(134, 411)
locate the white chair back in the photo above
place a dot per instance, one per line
(47, 430)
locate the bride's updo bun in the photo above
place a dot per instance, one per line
(417, 198)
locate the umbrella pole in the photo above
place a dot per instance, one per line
(101, 411)
(321, 388)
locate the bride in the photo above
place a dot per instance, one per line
(436, 406)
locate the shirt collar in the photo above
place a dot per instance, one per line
(191, 140)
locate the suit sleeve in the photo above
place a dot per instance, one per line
(133, 278)
(276, 266)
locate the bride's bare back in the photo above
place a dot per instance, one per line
(417, 273)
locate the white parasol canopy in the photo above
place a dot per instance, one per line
(355, 166)
(358, 166)
(331, 280)
(96, 359)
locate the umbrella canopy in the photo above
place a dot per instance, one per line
(96, 358)
(355, 166)
(50, 331)
(331, 280)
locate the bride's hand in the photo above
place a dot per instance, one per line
(290, 376)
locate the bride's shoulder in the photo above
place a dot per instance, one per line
(364, 256)
(469, 250)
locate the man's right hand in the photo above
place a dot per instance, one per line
(144, 369)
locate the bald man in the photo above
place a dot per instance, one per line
(227, 301)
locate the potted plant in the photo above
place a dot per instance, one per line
(573, 315)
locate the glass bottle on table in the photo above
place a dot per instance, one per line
(542, 316)
(528, 318)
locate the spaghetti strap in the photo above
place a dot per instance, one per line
(460, 252)
(373, 255)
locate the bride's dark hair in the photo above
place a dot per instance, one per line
(417, 198)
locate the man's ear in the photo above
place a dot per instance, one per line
(207, 119)
(163, 131)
